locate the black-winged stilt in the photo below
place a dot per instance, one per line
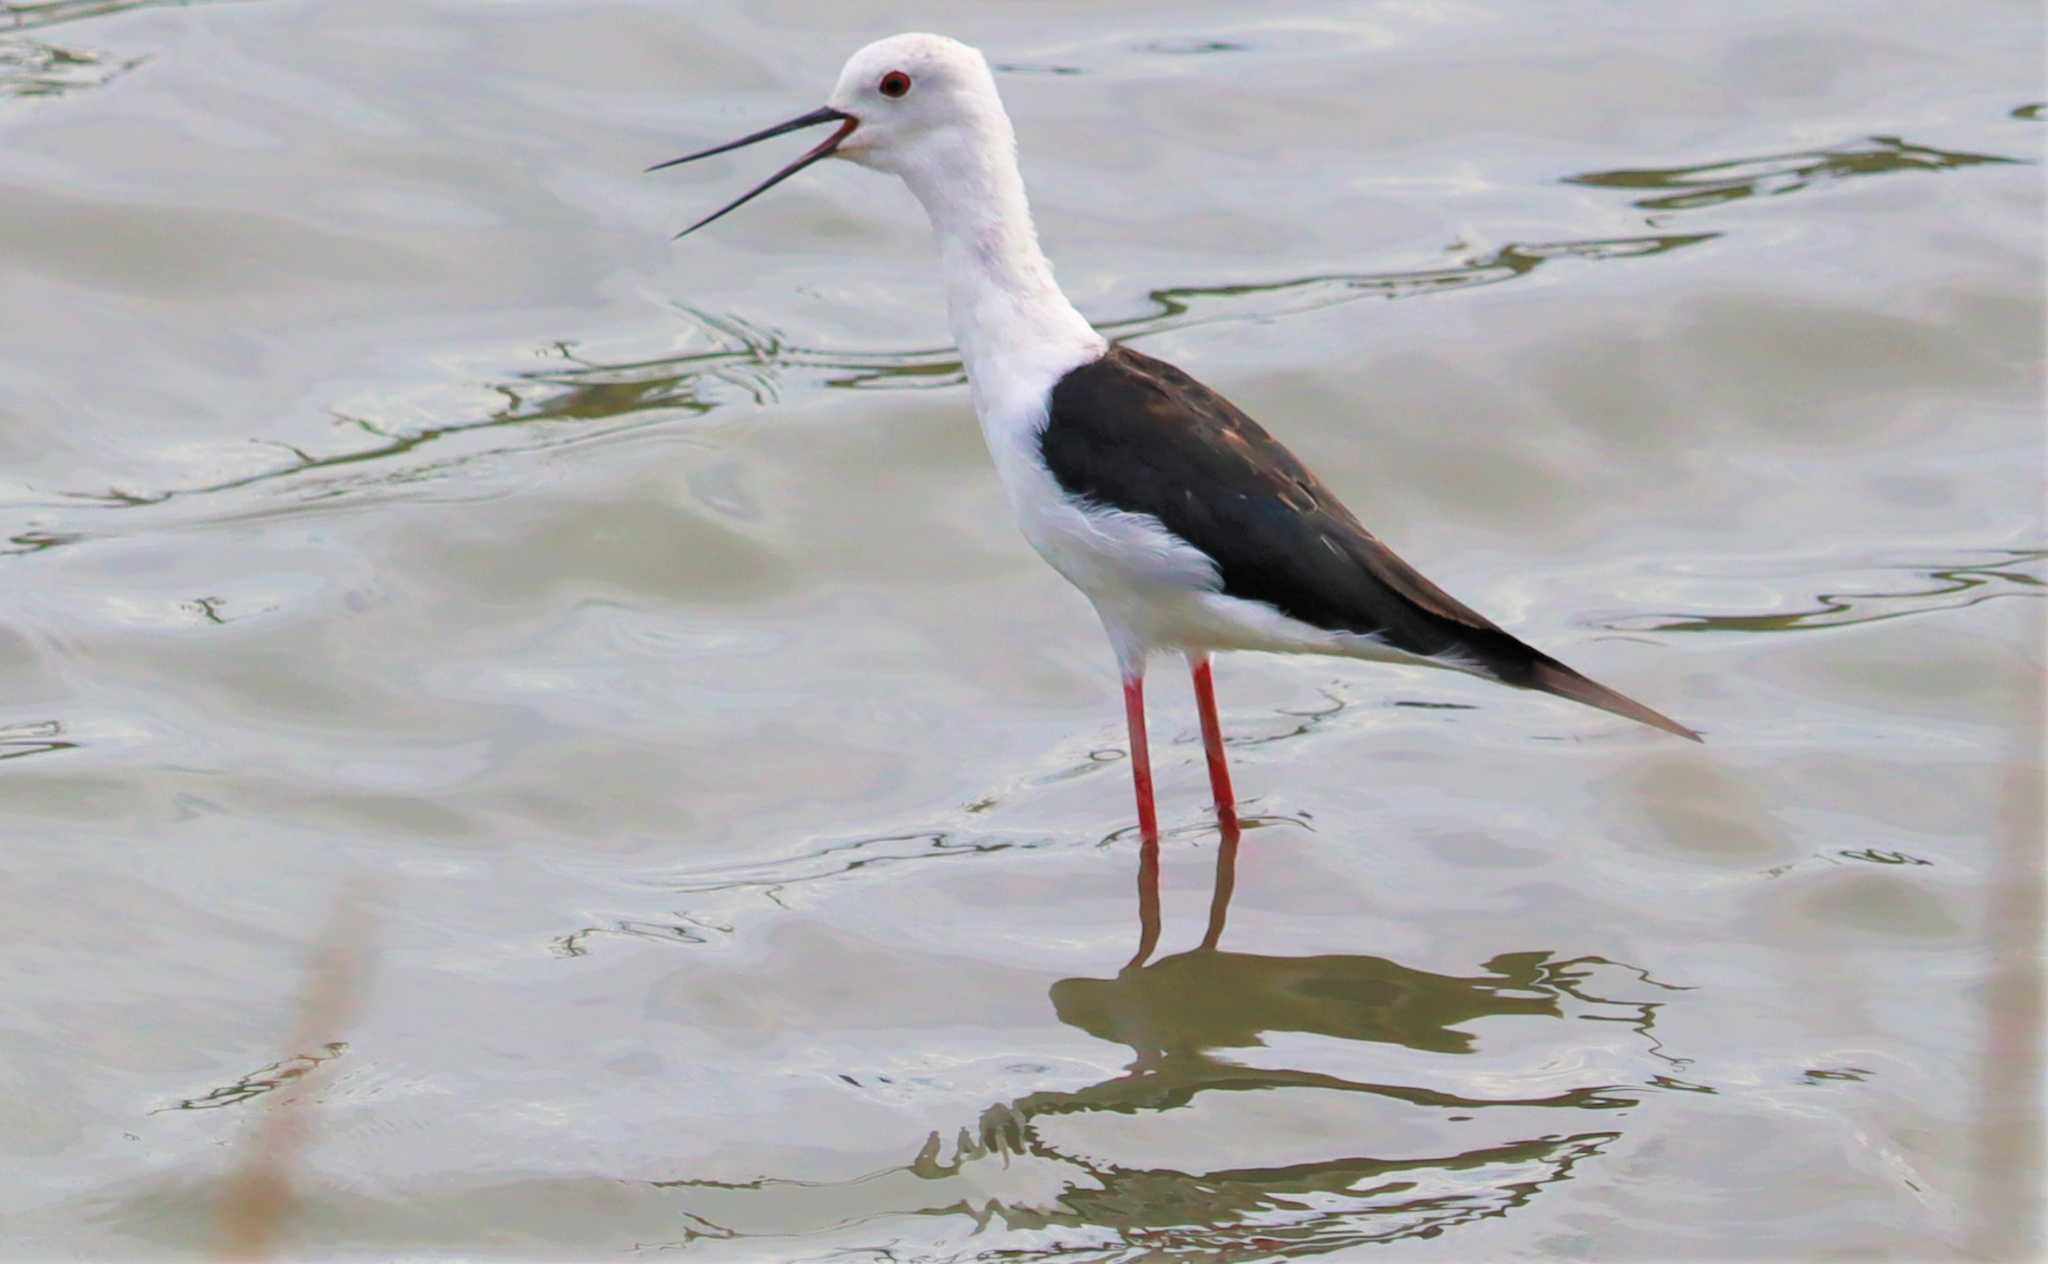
(1186, 524)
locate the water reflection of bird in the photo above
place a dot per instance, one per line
(1174, 1011)
(1410, 1160)
(1187, 525)
(1210, 999)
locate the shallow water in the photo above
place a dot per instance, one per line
(726, 812)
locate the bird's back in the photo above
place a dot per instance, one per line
(1133, 433)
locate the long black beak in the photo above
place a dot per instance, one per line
(847, 123)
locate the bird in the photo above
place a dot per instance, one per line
(1187, 526)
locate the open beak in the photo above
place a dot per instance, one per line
(847, 123)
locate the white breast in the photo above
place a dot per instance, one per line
(1144, 581)
(1018, 336)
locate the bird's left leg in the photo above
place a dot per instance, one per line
(1212, 742)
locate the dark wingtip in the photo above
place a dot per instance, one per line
(1554, 677)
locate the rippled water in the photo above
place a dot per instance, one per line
(617, 654)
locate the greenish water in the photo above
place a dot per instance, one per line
(727, 811)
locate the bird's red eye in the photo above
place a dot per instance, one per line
(895, 84)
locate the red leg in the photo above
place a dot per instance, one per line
(1212, 741)
(1141, 757)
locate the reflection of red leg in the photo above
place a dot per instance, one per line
(1141, 757)
(1226, 886)
(1148, 902)
(1212, 741)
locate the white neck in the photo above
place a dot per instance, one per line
(1016, 331)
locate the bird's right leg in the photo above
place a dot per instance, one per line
(1212, 744)
(1141, 754)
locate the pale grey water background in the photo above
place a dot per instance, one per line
(386, 498)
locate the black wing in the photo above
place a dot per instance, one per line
(1134, 433)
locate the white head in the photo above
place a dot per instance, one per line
(922, 107)
(918, 98)
(925, 108)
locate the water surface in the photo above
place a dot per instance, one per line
(733, 811)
